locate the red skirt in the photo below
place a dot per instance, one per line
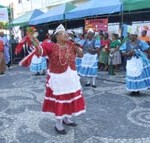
(65, 105)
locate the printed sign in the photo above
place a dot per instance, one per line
(97, 24)
(3, 15)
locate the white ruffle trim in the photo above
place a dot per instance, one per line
(66, 115)
(64, 83)
(36, 60)
(69, 116)
(140, 89)
(137, 80)
(89, 60)
(63, 101)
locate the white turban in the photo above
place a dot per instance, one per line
(90, 30)
(59, 28)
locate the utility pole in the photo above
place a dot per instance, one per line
(31, 5)
(10, 15)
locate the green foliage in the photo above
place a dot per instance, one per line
(3, 25)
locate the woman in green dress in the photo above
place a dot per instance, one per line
(115, 55)
(104, 53)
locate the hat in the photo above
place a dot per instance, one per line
(59, 28)
(90, 30)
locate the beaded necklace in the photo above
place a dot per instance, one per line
(66, 55)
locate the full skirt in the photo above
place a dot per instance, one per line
(89, 65)
(141, 81)
(64, 97)
(38, 64)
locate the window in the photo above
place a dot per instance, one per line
(19, 1)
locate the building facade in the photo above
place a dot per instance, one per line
(22, 6)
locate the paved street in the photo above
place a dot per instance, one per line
(112, 115)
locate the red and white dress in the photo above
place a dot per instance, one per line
(63, 95)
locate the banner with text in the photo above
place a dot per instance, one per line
(97, 24)
(3, 15)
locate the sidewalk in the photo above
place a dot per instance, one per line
(112, 115)
(119, 77)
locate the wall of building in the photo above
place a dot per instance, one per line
(22, 6)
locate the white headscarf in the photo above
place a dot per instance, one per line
(59, 28)
(90, 30)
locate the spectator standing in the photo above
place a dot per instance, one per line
(144, 37)
(6, 49)
(2, 58)
(114, 55)
(104, 53)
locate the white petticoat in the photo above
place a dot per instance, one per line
(36, 60)
(134, 67)
(89, 60)
(64, 83)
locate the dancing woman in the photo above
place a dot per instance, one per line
(63, 96)
(138, 64)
